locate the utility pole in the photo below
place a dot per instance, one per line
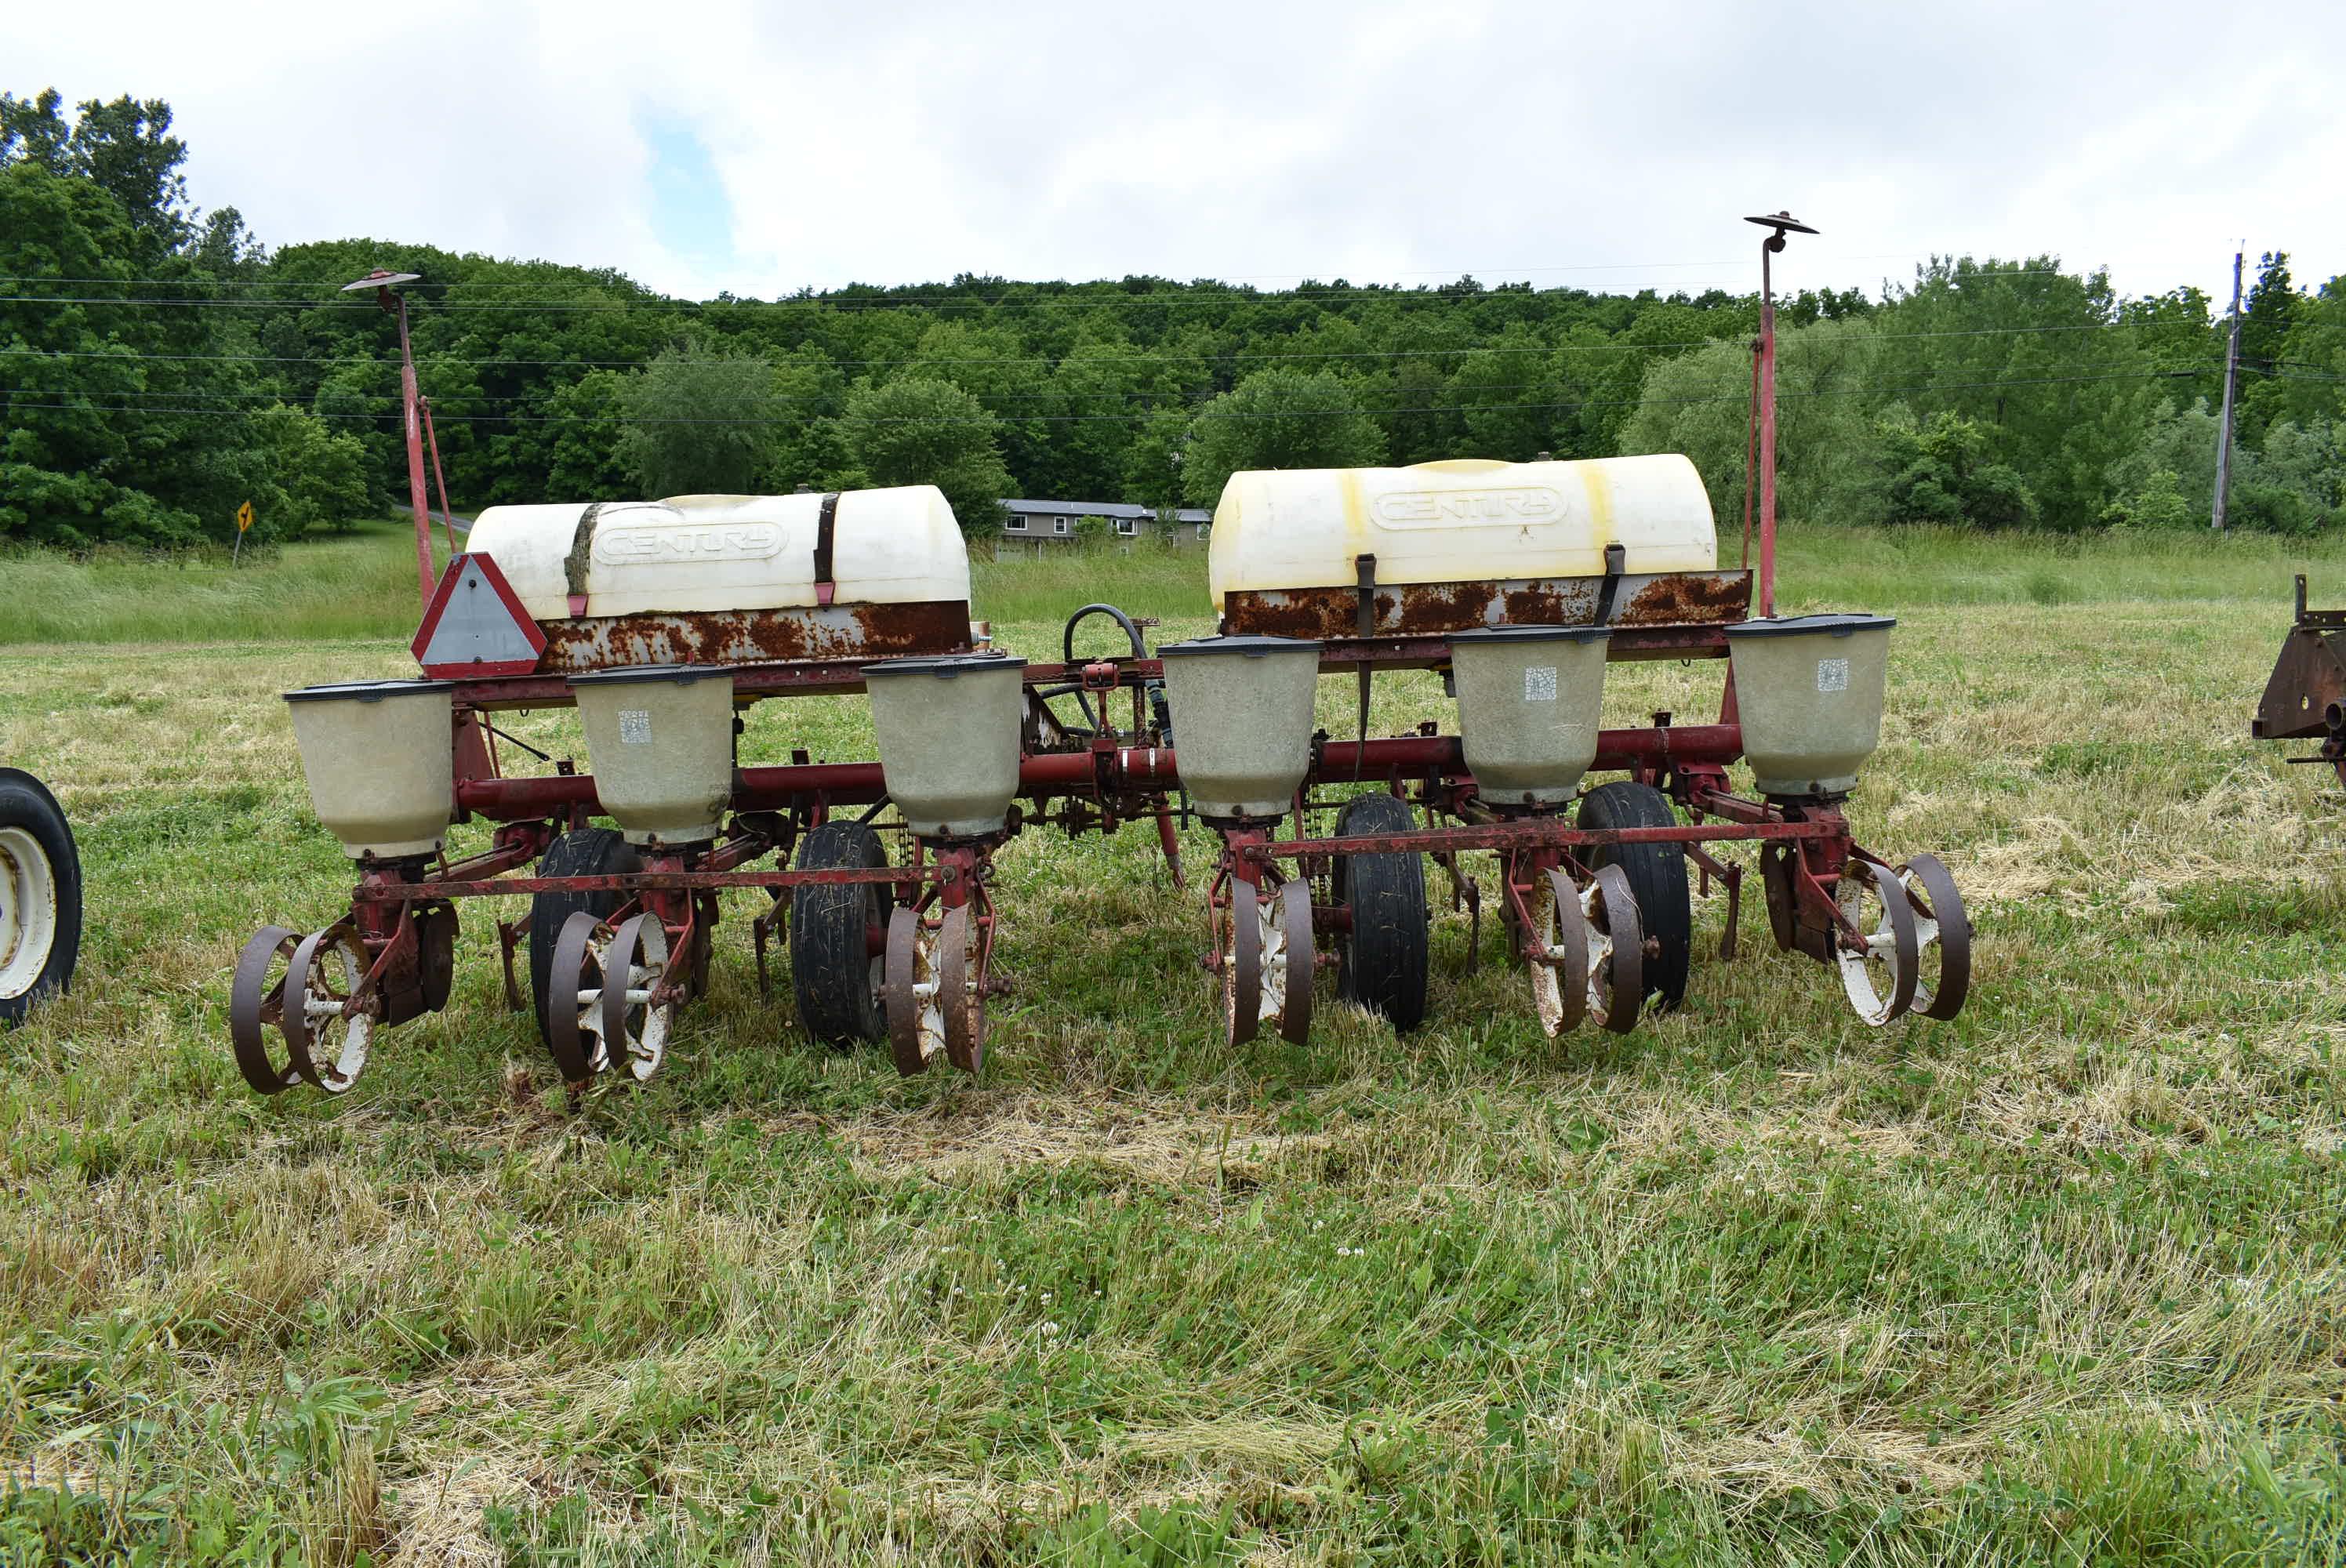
(2231, 384)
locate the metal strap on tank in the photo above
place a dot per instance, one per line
(1366, 620)
(825, 522)
(1617, 561)
(574, 566)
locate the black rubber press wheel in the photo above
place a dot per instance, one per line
(1381, 963)
(834, 972)
(585, 852)
(1657, 878)
(40, 896)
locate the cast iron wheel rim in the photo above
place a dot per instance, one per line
(566, 981)
(312, 1012)
(255, 1002)
(1890, 943)
(1947, 928)
(1616, 950)
(29, 889)
(912, 1016)
(634, 1031)
(1560, 979)
(960, 995)
(1298, 961)
(1243, 966)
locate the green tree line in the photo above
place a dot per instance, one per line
(161, 365)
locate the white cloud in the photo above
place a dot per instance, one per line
(908, 142)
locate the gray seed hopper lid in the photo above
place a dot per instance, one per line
(679, 674)
(366, 690)
(1531, 635)
(1252, 645)
(1800, 625)
(944, 666)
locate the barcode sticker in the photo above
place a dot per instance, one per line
(1539, 684)
(634, 727)
(1832, 675)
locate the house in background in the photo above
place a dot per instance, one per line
(1065, 522)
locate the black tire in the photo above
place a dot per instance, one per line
(833, 972)
(37, 856)
(1381, 963)
(586, 852)
(1657, 876)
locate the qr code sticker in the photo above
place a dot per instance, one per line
(1832, 675)
(634, 727)
(1539, 684)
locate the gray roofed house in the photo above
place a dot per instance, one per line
(1062, 522)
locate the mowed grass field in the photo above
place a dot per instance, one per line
(2059, 1282)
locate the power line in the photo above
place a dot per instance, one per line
(1505, 278)
(427, 361)
(261, 398)
(1204, 414)
(1174, 294)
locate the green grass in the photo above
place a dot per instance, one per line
(2060, 1282)
(362, 585)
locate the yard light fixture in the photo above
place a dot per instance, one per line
(417, 416)
(1763, 381)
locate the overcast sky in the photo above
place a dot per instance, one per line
(763, 149)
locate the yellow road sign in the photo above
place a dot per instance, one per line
(244, 517)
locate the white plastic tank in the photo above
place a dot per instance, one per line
(1465, 520)
(726, 553)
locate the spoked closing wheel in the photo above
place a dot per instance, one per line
(1559, 964)
(256, 1004)
(1616, 950)
(934, 990)
(1941, 926)
(600, 1015)
(1268, 961)
(325, 1038)
(1881, 965)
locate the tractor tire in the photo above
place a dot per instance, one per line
(1381, 963)
(1658, 877)
(585, 852)
(40, 896)
(834, 974)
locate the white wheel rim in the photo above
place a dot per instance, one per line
(928, 991)
(29, 911)
(1547, 990)
(1600, 955)
(1271, 958)
(1881, 946)
(323, 1013)
(646, 1048)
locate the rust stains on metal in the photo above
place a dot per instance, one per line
(1686, 598)
(1435, 609)
(808, 635)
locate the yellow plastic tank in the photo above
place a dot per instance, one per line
(1461, 521)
